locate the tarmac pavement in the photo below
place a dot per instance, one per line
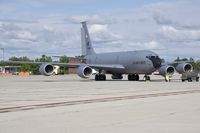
(68, 104)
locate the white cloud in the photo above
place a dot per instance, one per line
(168, 28)
(101, 34)
(152, 45)
(26, 35)
(92, 19)
(180, 35)
(96, 28)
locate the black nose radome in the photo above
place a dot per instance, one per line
(156, 61)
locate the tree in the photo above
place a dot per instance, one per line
(44, 58)
(191, 59)
(185, 59)
(20, 59)
(195, 64)
(63, 59)
(2, 63)
(24, 67)
(35, 68)
(178, 59)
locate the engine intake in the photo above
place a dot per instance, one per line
(84, 71)
(46, 69)
(184, 67)
(164, 70)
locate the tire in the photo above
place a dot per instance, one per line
(97, 77)
(130, 78)
(137, 77)
(146, 78)
(190, 80)
(104, 77)
(100, 77)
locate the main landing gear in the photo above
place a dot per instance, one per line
(117, 76)
(133, 77)
(100, 77)
(146, 78)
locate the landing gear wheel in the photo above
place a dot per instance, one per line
(190, 80)
(137, 77)
(97, 77)
(100, 77)
(104, 77)
(146, 78)
(129, 77)
(117, 76)
(197, 79)
(133, 77)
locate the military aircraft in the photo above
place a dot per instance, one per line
(131, 63)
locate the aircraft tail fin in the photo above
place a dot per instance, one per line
(86, 44)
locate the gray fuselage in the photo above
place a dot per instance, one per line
(135, 62)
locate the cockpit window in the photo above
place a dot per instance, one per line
(152, 57)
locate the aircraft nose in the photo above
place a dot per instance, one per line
(156, 61)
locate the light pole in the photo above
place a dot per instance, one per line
(2, 53)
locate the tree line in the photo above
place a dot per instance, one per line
(34, 68)
(195, 63)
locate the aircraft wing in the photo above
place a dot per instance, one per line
(94, 66)
(40, 63)
(179, 62)
(176, 63)
(107, 67)
(72, 65)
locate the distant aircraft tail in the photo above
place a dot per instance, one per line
(86, 44)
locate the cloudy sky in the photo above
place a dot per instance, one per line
(31, 28)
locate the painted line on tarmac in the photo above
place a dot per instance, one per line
(87, 101)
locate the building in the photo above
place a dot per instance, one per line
(74, 60)
(9, 70)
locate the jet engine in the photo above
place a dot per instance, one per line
(46, 69)
(164, 70)
(84, 71)
(184, 67)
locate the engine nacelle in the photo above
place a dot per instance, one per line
(184, 67)
(46, 69)
(84, 71)
(164, 70)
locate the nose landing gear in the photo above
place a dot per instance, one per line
(146, 78)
